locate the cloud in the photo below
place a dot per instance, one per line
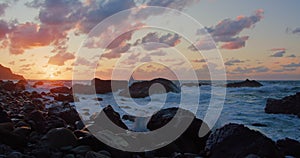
(233, 62)
(154, 41)
(293, 31)
(236, 43)
(58, 18)
(146, 58)
(278, 49)
(244, 70)
(199, 61)
(292, 65)
(292, 56)
(4, 29)
(278, 54)
(30, 35)
(159, 53)
(175, 4)
(116, 52)
(227, 32)
(60, 58)
(3, 7)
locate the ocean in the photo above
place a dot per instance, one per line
(241, 105)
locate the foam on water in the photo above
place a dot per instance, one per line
(242, 105)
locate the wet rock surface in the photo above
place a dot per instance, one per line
(141, 89)
(236, 140)
(286, 105)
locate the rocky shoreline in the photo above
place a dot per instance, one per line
(30, 128)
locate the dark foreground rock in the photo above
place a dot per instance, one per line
(289, 147)
(63, 90)
(286, 105)
(141, 89)
(247, 83)
(235, 140)
(188, 141)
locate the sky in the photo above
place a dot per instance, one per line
(114, 39)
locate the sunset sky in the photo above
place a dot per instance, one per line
(42, 39)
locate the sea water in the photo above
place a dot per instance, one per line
(241, 105)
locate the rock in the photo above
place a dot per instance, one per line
(63, 90)
(112, 115)
(81, 149)
(259, 125)
(83, 89)
(38, 103)
(92, 154)
(7, 74)
(70, 116)
(7, 126)
(67, 98)
(54, 122)
(235, 140)
(37, 120)
(8, 86)
(289, 147)
(286, 105)
(11, 139)
(155, 86)
(60, 137)
(35, 94)
(22, 131)
(105, 86)
(247, 83)
(70, 156)
(188, 141)
(38, 83)
(15, 155)
(129, 117)
(4, 116)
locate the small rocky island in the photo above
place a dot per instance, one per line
(246, 83)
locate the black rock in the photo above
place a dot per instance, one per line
(37, 120)
(259, 125)
(189, 141)
(112, 115)
(65, 98)
(289, 147)
(235, 140)
(286, 105)
(247, 83)
(105, 86)
(4, 116)
(141, 89)
(13, 140)
(63, 90)
(60, 137)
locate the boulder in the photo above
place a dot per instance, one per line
(235, 140)
(158, 86)
(289, 147)
(60, 137)
(286, 105)
(83, 89)
(63, 90)
(247, 83)
(4, 116)
(112, 115)
(9, 138)
(105, 86)
(65, 98)
(188, 141)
